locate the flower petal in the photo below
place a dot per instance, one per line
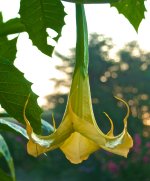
(40, 144)
(78, 148)
(119, 144)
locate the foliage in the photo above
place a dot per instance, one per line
(39, 15)
(132, 10)
(8, 48)
(17, 91)
(15, 87)
(4, 151)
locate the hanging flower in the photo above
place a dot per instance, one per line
(78, 134)
(87, 137)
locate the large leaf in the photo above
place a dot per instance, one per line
(5, 152)
(37, 16)
(133, 10)
(8, 48)
(14, 90)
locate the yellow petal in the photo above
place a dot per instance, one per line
(40, 144)
(78, 148)
(116, 144)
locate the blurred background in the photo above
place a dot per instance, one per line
(117, 68)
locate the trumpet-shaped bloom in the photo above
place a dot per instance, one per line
(78, 134)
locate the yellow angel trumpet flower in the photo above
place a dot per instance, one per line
(78, 134)
(87, 137)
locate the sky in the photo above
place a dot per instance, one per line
(101, 19)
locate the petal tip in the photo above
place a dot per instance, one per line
(78, 160)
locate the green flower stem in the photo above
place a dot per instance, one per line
(82, 56)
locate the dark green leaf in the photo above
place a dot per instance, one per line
(133, 10)
(5, 152)
(37, 16)
(91, 1)
(8, 48)
(1, 18)
(14, 90)
(4, 176)
(11, 27)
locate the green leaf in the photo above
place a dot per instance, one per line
(4, 176)
(8, 48)
(11, 27)
(12, 124)
(37, 16)
(91, 1)
(133, 10)
(5, 152)
(6, 123)
(1, 18)
(14, 90)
